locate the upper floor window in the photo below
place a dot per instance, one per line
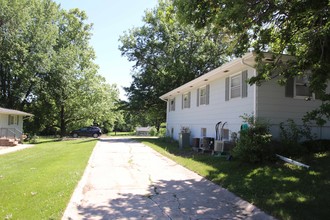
(172, 105)
(301, 87)
(236, 86)
(203, 95)
(186, 100)
(298, 88)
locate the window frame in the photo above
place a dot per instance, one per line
(206, 95)
(296, 83)
(202, 91)
(172, 105)
(186, 99)
(239, 86)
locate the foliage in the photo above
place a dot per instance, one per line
(39, 181)
(167, 54)
(153, 131)
(281, 190)
(321, 115)
(33, 139)
(253, 144)
(298, 28)
(47, 67)
(162, 132)
(292, 135)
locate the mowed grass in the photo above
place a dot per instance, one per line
(282, 190)
(37, 183)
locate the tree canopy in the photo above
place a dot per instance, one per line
(167, 54)
(298, 28)
(47, 67)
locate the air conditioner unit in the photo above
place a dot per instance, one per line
(219, 146)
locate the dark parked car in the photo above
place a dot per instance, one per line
(91, 131)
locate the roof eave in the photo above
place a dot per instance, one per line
(213, 74)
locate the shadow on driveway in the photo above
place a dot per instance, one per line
(188, 199)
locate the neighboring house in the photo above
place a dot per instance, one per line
(11, 125)
(224, 95)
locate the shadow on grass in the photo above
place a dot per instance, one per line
(84, 140)
(285, 191)
(173, 199)
(117, 140)
(123, 139)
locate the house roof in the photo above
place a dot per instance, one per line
(248, 60)
(13, 112)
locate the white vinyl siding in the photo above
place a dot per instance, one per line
(206, 116)
(278, 103)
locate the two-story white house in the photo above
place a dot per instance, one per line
(223, 94)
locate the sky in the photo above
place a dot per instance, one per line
(111, 18)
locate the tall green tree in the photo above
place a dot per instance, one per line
(298, 28)
(25, 48)
(167, 54)
(47, 67)
(74, 90)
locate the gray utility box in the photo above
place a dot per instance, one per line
(184, 140)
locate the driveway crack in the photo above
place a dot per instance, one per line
(156, 203)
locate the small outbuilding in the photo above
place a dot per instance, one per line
(142, 131)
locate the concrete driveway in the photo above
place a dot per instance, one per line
(128, 180)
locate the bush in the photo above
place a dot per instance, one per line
(162, 132)
(153, 131)
(254, 143)
(291, 137)
(33, 139)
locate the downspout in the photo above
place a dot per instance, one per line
(255, 90)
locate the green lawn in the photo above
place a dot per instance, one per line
(37, 183)
(282, 190)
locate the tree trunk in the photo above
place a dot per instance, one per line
(62, 122)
